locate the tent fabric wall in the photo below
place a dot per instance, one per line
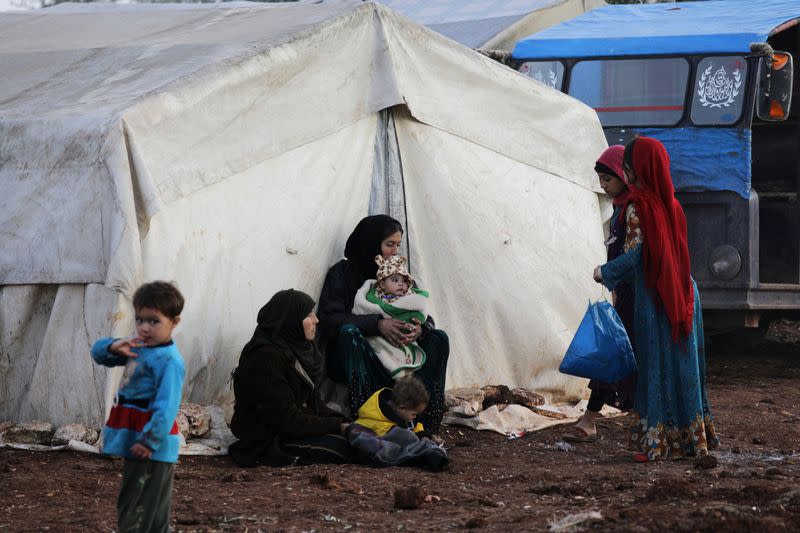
(456, 89)
(216, 119)
(539, 20)
(227, 267)
(387, 193)
(504, 250)
(291, 216)
(45, 334)
(485, 24)
(231, 149)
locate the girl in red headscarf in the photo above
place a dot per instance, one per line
(671, 413)
(609, 168)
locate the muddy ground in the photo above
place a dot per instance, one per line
(493, 484)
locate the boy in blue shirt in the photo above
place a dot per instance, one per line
(141, 427)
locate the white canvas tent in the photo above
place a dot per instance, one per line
(233, 148)
(486, 24)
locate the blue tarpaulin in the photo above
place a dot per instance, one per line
(681, 28)
(708, 159)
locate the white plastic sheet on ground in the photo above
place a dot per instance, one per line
(214, 442)
(515, 419)
(230, 148)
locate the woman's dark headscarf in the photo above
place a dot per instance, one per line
(365, 243)
(280, 325)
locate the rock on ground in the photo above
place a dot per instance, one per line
(35, 432)
(409, 497)
(501, 394)
(464, 401)
(78, 432)
(193, 420)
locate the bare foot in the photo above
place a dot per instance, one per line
(578, 434)
(587, 424)
(590, 430)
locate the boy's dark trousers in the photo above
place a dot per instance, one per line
(145, 496)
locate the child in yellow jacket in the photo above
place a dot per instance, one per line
(386, 434)
(396, 407)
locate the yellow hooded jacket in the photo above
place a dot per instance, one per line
(370, 415)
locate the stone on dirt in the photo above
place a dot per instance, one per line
(470, 402)
(329, 482)
(670, 487)
(527, 398)
(706, 461)
(494, 394)
(34, 432)
(236, 476)
(465, 401)
(572, 522)
(78, 432)
(773, 471)
(193, 420)
(499, 394)
(409, 497)
(475, 522)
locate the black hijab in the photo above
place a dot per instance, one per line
(365, 243)
(280, 325)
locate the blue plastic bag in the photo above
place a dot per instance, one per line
(600, 349)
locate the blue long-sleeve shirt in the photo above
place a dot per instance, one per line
(148, 401)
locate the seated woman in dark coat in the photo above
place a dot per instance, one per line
(278, 415)
(349, 357)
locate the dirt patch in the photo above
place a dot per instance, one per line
(493, 484)
(754, 493)
(784, 333)
(670, 487)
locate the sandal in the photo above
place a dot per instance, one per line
(577, 434)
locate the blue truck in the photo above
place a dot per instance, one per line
(713, 80)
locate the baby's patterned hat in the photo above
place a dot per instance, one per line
(396, 264)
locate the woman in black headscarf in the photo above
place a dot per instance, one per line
(278, 415)
(349, 357)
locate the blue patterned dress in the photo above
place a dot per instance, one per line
(671, 413)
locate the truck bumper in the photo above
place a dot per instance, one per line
(764, 297)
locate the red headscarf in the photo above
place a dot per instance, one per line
(666, 251)
(611, 158)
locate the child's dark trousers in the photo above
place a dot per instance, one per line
(145, 496)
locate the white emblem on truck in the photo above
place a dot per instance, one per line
(719, 90)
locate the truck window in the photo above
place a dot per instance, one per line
(718, 94)
(632, 92)
(551, 73)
